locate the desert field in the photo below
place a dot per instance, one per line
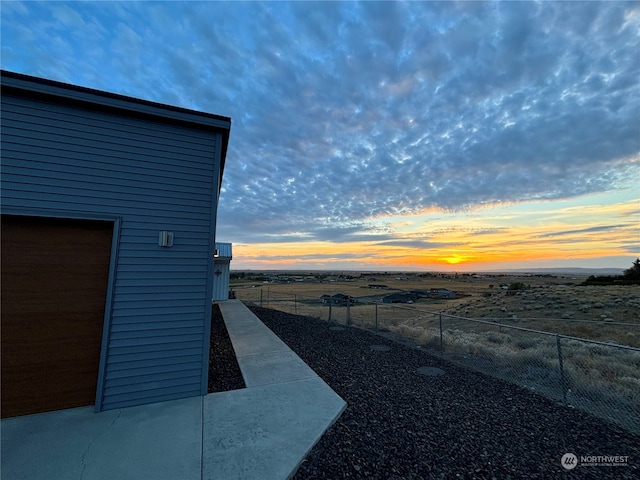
(551, 303)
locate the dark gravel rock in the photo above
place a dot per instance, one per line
(402, 425)
(224, 371)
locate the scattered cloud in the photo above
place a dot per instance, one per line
(600, 228)
(346, 114)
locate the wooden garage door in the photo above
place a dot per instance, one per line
(53, 291)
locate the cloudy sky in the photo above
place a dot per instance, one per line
(384, 136)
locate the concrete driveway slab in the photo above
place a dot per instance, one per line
(157, 441)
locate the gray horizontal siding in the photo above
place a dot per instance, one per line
(101, 166)
(224, 249)
(124, 192)
(150, 379)
(122, 399)
(163, 361)
(125, 104)
(154, 176)
(175, 350)
(81, 119)
(160, 327)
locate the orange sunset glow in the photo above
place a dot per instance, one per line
(486, 240)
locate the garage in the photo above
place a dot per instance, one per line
(54, 285)
(108, 246)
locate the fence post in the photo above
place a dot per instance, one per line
(329, 309)
(295, 304)
(562, 379)
(440, 317)
(348, 311)
(376, 317)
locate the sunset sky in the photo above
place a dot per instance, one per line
(384, 136)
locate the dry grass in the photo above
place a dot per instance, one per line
(600, 379)
(548, 304)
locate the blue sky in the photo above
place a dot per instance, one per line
(384, 135)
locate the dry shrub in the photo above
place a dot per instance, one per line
(631, 387)
(528, 358)
(601, 368)
(496, 338)
(527, 343)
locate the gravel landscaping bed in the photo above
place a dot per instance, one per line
(224, 371)
(400, 424)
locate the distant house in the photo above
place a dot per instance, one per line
(341, 299)
(401, 297)
(420, 293)
(378, 286)
(325, 298)
(108, 236)
(441, 293)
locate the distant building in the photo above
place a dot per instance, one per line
(441, 293)
(221, 264)
(420, 293)
(341, 299)
(378, 286)
(401, 297)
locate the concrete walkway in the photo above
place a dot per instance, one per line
(261, 432)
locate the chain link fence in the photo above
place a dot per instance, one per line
(600, 377)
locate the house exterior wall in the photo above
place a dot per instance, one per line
(70, 152)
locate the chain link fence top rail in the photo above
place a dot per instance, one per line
(600, 377)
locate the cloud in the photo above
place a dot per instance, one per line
(599, 228)
(315, 257)
(344, 113)
(632, 248)
(418, 244)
